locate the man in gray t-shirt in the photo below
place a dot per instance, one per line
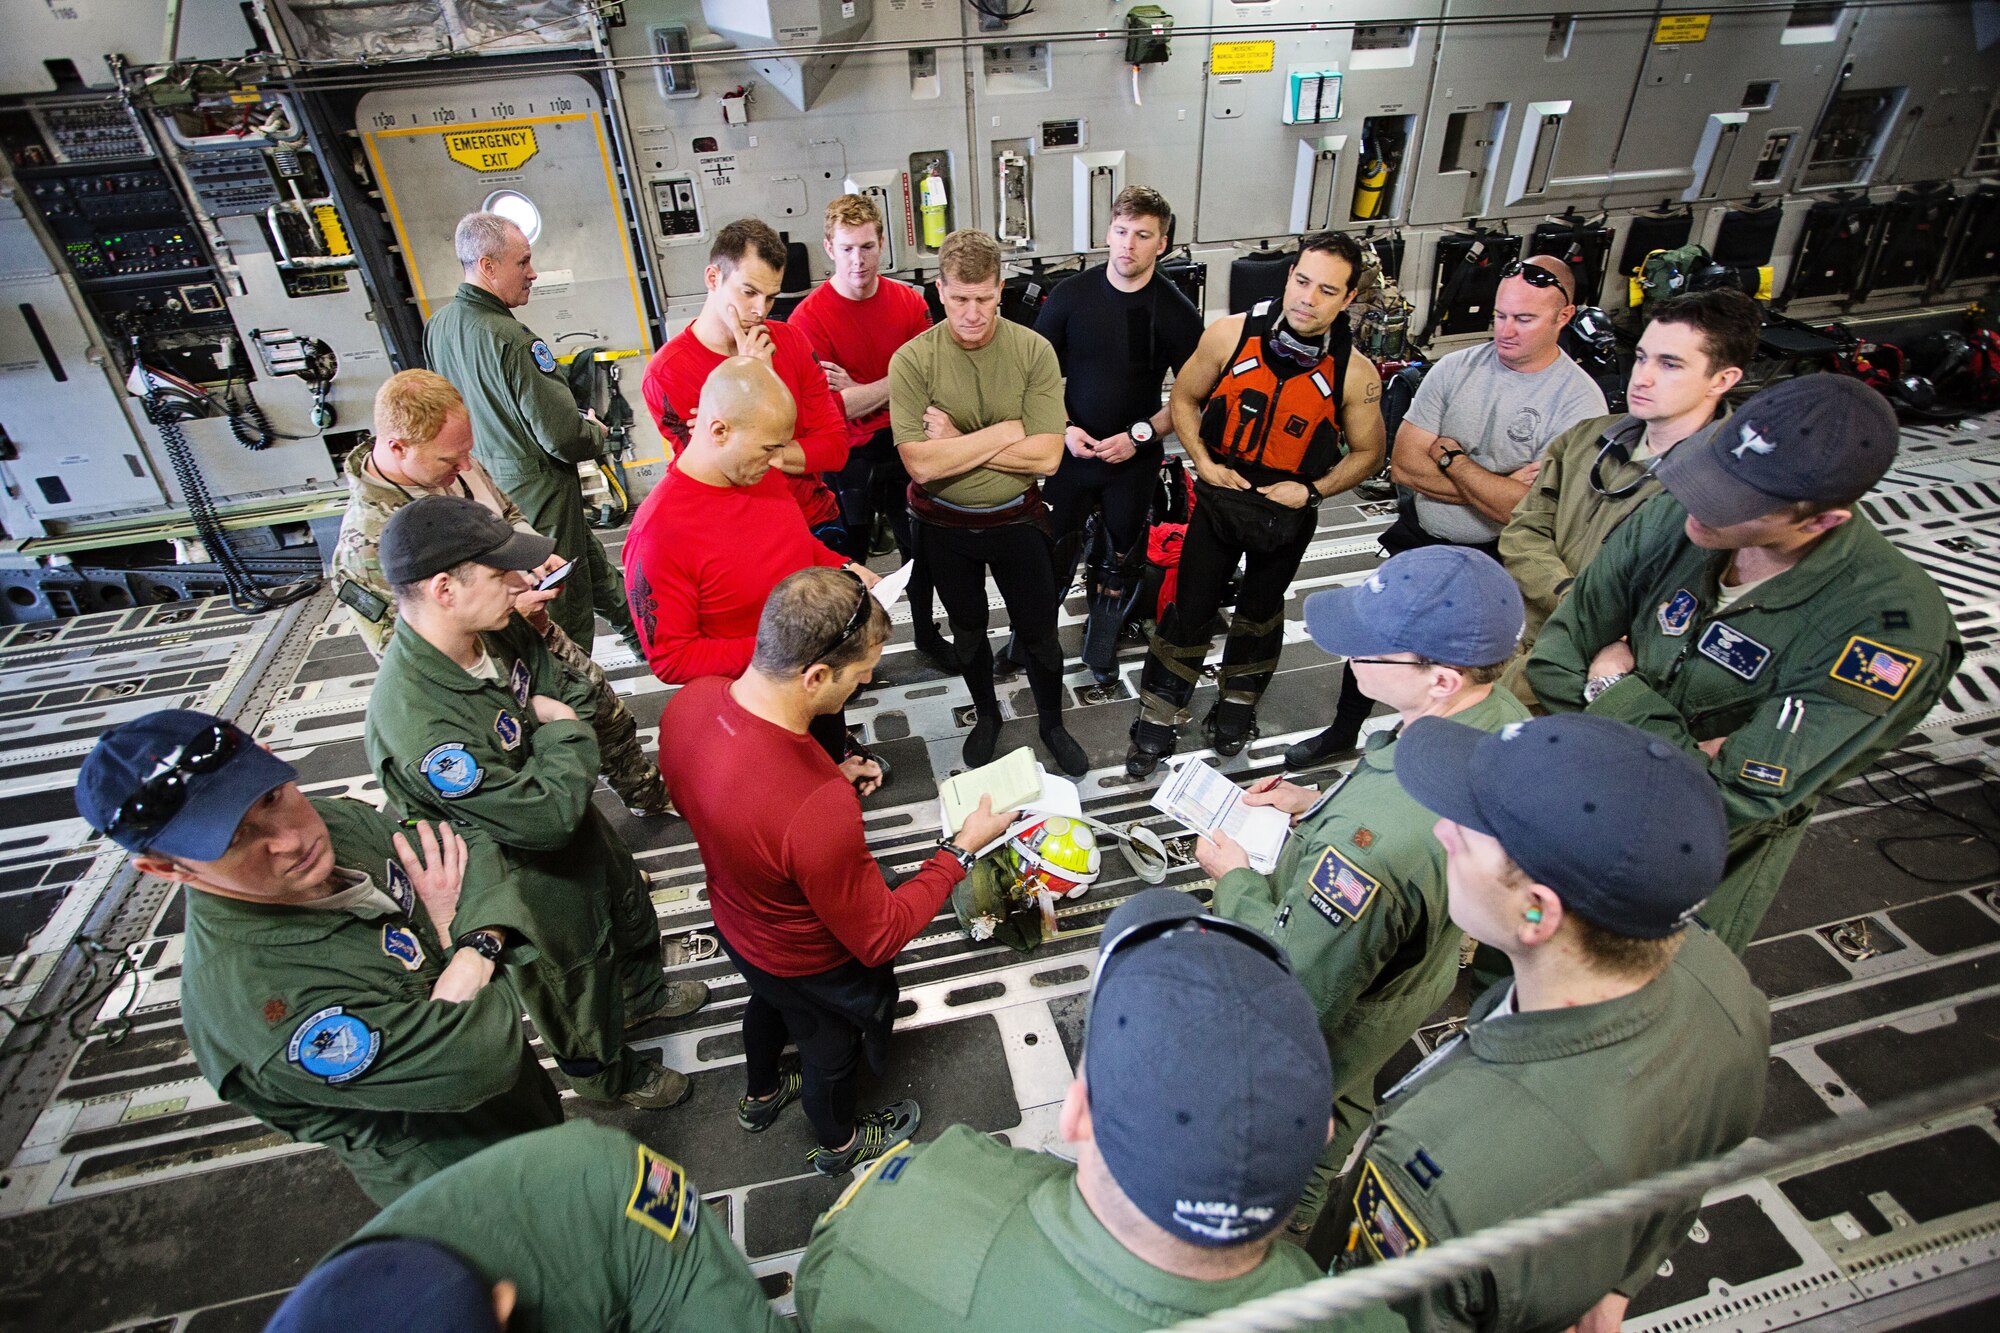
(1469, 445)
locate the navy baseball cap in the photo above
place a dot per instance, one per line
(438, 532)
(387, 1286)
(1823, 438)
(1627, 828)
(1209, 1081)
(1450, 604)
(198, 801)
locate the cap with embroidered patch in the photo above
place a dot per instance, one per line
(437, 532)
(1209, 1080)
(1449, 604)
(386, 1286)
(1822, 438)
(149, 784)
(1628, 829)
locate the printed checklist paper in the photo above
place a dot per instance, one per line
(1202, 799)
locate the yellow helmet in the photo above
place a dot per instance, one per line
(1056, 854)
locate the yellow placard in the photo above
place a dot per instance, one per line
(1679, 29)
(499, 148)
(1242, 57)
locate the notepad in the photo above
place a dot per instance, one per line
(1202, 799)
(1013, 780)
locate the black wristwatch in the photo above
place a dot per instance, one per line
(1444, 459)
(1142, 432)
(957, 853)
(1313, 497)
(482, 942)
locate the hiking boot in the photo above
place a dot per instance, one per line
(874, 1134)
(1151, 743)
(757, 1115)
(662, 1088)
(1330, 744)
(683, 998)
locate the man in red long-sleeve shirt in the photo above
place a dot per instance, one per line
(800, 905)
(746, 267)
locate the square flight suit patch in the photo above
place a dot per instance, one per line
(1341, 890)
(1876, 667)
(661, 1200)
(1385, 1224)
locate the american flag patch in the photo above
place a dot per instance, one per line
(1876, 667)
(1341, 890)
(1888, 668)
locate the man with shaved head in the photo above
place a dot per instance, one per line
(721, 531)
(1473, 440)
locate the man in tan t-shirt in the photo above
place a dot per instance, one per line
(976, 410)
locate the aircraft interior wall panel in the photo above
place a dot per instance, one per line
(1264, 178)
(84, 31)
(1526, 117)
(880, 119)
(1058, 127)
(1940, 84)
(1728, 115)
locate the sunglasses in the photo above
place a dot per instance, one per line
(1597, 473)
(1146, 931)
(1537, 276)
(162, 795)
(854, 622)
(1392, 661)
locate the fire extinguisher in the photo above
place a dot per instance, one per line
(931, 204)
(1370, 178)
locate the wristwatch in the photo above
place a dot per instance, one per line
(486, 943)
(1444, 459)
(1597, 685)
(1141, 432)
(957, 853)
(1313, 497)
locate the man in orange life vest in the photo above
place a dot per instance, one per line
(1276, 415)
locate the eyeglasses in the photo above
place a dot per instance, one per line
(1144, 931)
(161, 796)
(854, 622)
(1392, 661)
(1537, 276)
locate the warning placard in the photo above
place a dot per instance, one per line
(1677, 29)
(1242, 57)
(491, 150)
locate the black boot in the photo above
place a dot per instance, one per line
(979, 742)
(1337, 740)
(1230, 726)
(938, 649)
(1151, 743)
(1062, 747)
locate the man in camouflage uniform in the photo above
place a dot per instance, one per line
(423, 446)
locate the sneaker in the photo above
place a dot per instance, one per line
(757, 1115)
(1151, 743)
(874, 1134)
(683, 998)
(663, 1087)
(981, 740)
(661, 808)
(1062, 747)
(1330, 744)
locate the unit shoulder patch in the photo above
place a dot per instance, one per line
(334, 1046)
(661, 1200)
(1876, 668)
(451, 770)
(1341, 890)
(545, 360)
(1386, 1225)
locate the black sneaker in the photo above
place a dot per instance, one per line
(874, 1134)
(757, 1116)
(1330, 744)
(1151, 743)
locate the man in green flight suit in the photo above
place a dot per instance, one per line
(1754, 617)
(472, 720)
(315, 991)
(574, 1230)
(1628, 1042)
(1196, 1116)
(423, 446)
(526, 429)
(1358, 897)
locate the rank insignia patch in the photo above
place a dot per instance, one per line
(1341, 890)
(1385, 1225)
(1732, 650)
(1423, 1169)
(275, 1010)
(508, 728)
(401, 944)
(518, 682)
(1364, 838)
(1876, 667)
(545, 360)
(452, 771)
(1895, 620)
(1772, 775)
(334, 1046)
(1677, 613)
(661, 1200)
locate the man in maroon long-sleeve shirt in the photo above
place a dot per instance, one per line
(746, 267)
(800, 905)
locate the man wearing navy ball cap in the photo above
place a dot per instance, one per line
(1629, 1040)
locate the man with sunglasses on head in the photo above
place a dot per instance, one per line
(472, 720)
(1197, 1111)
(801, 906)
(1358, 896)
(1693, 351)
(320, 988)
(1628, 1041)
(1472, 440)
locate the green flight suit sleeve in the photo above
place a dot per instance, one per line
(548, 410)
(679, 1267)
(395, 1054)
(539, 806)
(1246, 896)
(547, 673)
(1528, 542)
(1600, 606)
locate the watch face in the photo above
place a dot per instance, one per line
(1141, 432)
